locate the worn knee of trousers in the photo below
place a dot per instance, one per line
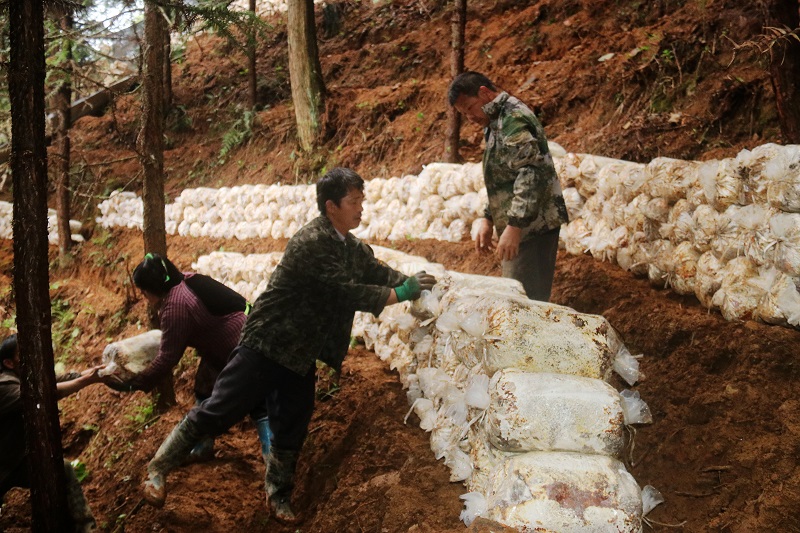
(279, 479)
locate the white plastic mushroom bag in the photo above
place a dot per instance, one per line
(566, 493)
(535, 411)
(128, 357)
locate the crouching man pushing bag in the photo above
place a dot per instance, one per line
(306, 313)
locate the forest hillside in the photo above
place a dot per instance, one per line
(618, 78)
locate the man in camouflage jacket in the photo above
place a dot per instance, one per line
(306, 313)
(525, 201)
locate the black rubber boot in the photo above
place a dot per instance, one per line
(202, 452)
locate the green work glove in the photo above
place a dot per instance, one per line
(413, 286)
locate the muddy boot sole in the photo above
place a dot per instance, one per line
(155, 491)
(281, 510)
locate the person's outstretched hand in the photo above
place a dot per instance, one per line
(412, 288)
(90, 375)
(113, 381)
(426, 281)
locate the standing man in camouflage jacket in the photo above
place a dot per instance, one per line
(306, 313)
(525, 201)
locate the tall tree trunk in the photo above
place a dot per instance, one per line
(167, 71)
(458, 24)
(26, 73)
(308, 89)
(63, 101)
(251, 60)
(150, 145)
(785, 68)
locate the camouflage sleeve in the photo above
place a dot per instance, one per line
(316, 264)
(379, 273)
(534, 174)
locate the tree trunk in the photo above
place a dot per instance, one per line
(150, 145)
(167, 71)
(308, 89)
(26, 72)
(458, 24)
(251, 60)
(785, 68)
(63, 101)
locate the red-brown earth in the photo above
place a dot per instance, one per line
(723, 446)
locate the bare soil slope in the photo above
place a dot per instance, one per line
(723, 447)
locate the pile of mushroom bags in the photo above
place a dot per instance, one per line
(497, 379)
(727, 231)
(440, 203)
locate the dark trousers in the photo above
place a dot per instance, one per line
(76, 501)
(252, 384)
(535, 265)
(16, 478)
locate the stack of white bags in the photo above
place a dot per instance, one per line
(727, 231)
(440, 203)
(514, 394)
(246, 274)
(6, 231)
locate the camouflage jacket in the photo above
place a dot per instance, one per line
(307, 311)
(518, 170)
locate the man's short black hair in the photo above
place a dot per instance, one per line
(468, 83)
(8, 349)
(335, 185)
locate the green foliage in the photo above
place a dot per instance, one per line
(81, 472)
(117, 321)
(143, 413)
(93, 428)
(64, 334)
(104, 238)
(327, 382)
(215, 16)
(10, 322)
(240, 132)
